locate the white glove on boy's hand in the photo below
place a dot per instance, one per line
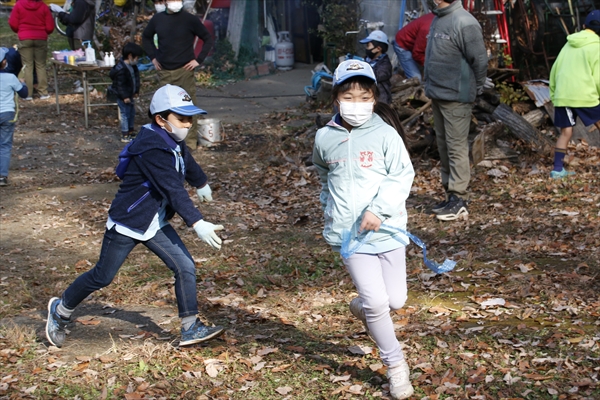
(204, 194)
(206, 232)
(56, 8)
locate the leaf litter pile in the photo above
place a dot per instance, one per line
(519, 317)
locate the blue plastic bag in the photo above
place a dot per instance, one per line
(351, 245)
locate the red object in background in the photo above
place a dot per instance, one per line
(221, 4)
(199, 42)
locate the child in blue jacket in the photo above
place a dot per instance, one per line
(9, 85)
(126, 84)
(376, 46)
(152, 191)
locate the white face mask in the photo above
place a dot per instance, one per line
(178, 134)
(160, 8)
(175, 6)
(356, 114)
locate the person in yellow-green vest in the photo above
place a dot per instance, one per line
(575, 87)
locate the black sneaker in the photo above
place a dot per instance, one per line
(456, 208)
(198, 333)
(439, 207)
(55, 324)
(125, 138)
(3, 181)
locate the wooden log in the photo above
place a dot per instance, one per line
(477, 146)
(424, 141)
(417, 113)
(484, 105)
(404, 84)
(522, 129)
(403, 96)
(535, 117)
(403, 112)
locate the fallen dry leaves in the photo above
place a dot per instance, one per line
(518, 318)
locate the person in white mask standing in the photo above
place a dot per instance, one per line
(366, 175)
(173, 56)
(153, 167)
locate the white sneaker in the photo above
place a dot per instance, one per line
(398, 377)
(44, 97)
(28, 99)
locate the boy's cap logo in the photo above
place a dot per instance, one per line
(186, 97)
(354, 67)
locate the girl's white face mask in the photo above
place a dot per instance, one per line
(356, 114)
(160, 8)
(178, 134)
(175, 6)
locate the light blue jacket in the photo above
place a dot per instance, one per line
(367, 169)
(9, 85)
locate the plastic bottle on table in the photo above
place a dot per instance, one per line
(112, 59)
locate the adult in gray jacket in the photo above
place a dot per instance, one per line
(455, 72)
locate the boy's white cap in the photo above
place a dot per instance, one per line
(377, 35)
(349, 68)
(173, 98)
(3, 52)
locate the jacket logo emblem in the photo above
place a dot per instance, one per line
(366, 159)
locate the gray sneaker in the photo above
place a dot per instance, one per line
(439, 207)
(455, 209)
(55, 324)
(198, 333)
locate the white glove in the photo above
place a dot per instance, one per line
(489, 84)
(56, 8)
(204, 194)
(206, 232)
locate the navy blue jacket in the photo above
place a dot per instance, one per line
(151, 177)
(123, 85)
(382, 66)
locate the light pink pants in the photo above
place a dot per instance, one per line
(380, 281)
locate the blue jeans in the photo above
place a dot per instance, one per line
(7, 130)
(166, 244)
(127, 115)
(409, 66)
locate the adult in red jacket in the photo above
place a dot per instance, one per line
(32, 21)
(410, 45)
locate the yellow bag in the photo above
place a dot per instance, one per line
(120, 3)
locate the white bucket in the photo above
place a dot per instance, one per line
(209, 132)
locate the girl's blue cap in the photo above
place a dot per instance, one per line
(350, 68)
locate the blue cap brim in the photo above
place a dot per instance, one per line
(353, 76)
(366, 40)
(188, 110)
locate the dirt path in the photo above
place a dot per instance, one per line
(53, 215)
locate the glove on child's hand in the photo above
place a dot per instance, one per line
(204, 194)
(206, 232)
